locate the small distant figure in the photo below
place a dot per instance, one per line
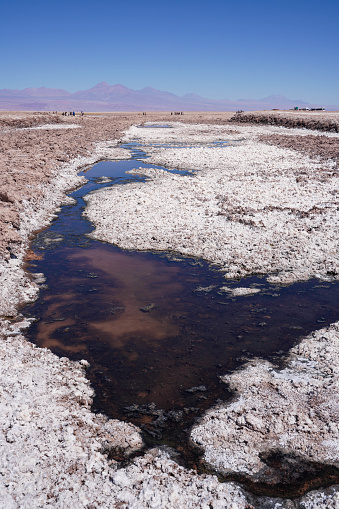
(82, 113)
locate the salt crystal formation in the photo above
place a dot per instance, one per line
(239, 291)
(53, 449)
(249, 207)
(294, 411)
(51, 444)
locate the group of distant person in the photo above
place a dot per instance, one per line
(172, 113)
(70, 113)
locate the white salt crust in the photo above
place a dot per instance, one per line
(249, 208)
(50, 126)
(240, 291)
(52, 446)
(321, 499)
(294, 410)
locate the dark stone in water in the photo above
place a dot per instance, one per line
(116, 310)
(196, 389)
(148, 308)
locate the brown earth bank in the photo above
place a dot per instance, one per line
(315, 146)
(316, 120)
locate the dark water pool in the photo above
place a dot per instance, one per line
(157, 126)
(157, 332)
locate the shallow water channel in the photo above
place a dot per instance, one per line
(155, 328)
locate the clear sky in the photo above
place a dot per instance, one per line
(219, 49)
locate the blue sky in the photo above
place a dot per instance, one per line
(218, 49)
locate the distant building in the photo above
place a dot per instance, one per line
(308, 109)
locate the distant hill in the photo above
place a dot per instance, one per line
(105, 97)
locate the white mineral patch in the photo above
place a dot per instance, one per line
(250, 207)
(50, 441)
(322, 499)
(294, 410)
(240, 291)
(156, 481)
(51, 126)
(104, 180)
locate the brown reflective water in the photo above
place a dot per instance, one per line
(153, 328)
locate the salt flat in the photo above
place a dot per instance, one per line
(250, 207)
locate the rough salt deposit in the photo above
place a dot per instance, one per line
(239, 291)
(54, 450)
(294, 410)
(249, 207)
(54, 126)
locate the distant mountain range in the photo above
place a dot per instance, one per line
(105, 97)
